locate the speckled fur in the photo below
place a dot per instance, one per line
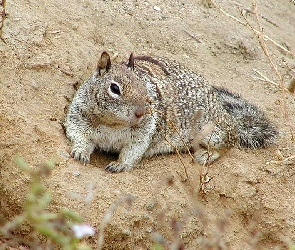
(154, 114)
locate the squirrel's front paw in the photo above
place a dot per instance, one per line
(116, 167)
(81, 155)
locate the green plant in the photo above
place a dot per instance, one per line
(48, 229)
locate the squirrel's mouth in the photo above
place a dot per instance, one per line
(134, 124)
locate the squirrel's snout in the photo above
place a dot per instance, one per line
(139, 112)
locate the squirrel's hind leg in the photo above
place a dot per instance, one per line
(208, 144)
(204, 156)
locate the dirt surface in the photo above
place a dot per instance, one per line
(49, 47)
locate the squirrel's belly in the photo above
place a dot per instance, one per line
(111, 140)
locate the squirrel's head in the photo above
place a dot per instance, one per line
(120, 93)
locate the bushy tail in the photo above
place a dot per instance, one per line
(254, 130)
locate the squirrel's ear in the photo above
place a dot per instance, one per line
(131, 61)
(104, 63)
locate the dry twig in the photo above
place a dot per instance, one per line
(262, 16)
(251, 11)
(171, 144)
(2, 14)
(266, 38)
(284, 160)
(196, 38)
(288, 66)
(266, 79)
(261, 38)
(107, 217)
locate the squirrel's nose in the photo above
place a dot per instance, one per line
(139, 112)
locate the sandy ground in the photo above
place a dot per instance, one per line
(48, 48)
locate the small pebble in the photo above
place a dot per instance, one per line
(64, 154)
(150, 206)
(76, 174)
(149, 229)
(157, 8)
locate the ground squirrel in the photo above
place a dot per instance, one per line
(147, 106)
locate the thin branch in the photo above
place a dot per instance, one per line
(288, 66)
(265, 79)
(267, 38)
(284, 160)
(262, 16)
(196, 38)
(175, 148)
(261, 40)
(185, 170)
(2, 14)
(107, 217)
(252, 12)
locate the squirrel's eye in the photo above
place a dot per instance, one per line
(115, 88)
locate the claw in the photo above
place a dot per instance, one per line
(116, 167)
(80, 155)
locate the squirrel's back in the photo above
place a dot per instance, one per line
(180, 92)
(184, 91)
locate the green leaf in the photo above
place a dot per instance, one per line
(22, 164)
(44, 200)
(71, 215)
(47, 217)
(158, 246)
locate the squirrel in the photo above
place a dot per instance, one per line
(151, 105)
